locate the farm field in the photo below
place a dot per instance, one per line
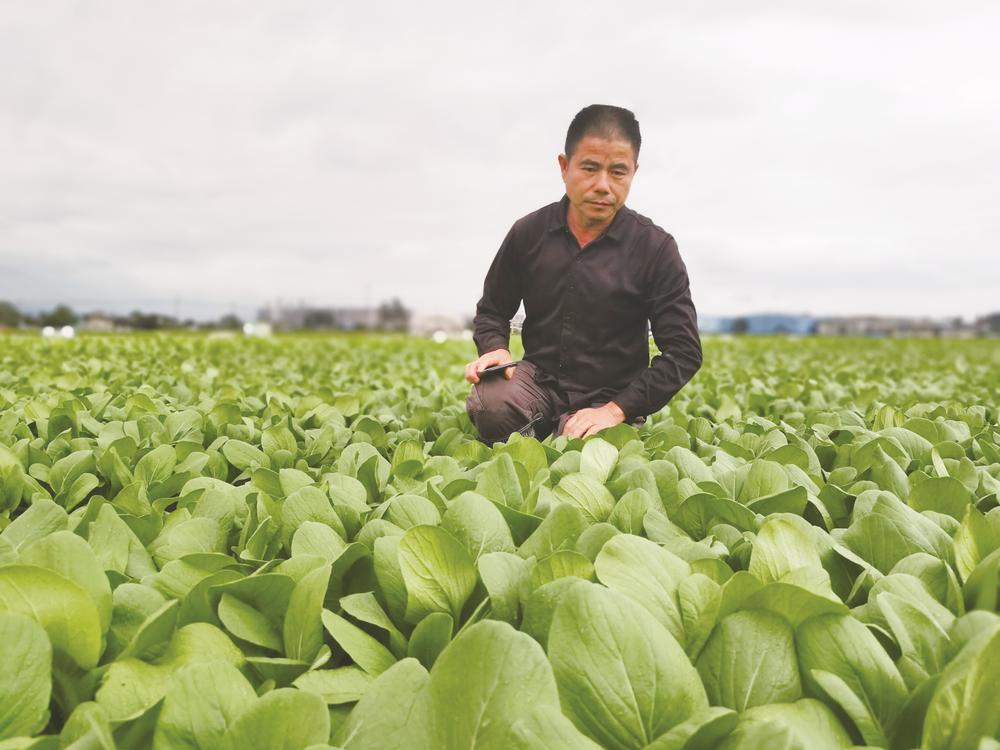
(297, 543)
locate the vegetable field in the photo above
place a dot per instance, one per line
(297, 543)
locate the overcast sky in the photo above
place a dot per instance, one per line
(201, 157)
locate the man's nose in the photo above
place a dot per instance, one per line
(602, 182)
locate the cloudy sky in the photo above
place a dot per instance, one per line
(199, 157)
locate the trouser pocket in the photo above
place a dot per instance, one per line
(529, 430)
(499, 407)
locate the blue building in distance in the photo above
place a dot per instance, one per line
(761, 324)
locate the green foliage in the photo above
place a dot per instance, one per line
(298, 542)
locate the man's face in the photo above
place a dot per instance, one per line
(598, 177)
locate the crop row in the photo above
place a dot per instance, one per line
(299, 543)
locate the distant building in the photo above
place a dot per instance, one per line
(389, 316)
(988, 325)
(99, 322)
(877, 326)
(871, 326)
(355, 318)
(279, 317)
(777, 323)
(713, 324)
(762, 324)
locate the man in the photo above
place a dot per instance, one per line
(591, 274)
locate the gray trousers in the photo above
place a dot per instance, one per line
(499, 407)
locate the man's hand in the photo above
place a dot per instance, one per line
(495, 357)
(589, 421)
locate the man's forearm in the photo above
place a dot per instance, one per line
(661, 381)
(674, 325)
(490, 332)
(500, 300)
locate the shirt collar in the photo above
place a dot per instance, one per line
(558, 220)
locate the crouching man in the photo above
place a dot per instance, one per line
(593, 274)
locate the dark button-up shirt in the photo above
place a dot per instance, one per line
(586, 310)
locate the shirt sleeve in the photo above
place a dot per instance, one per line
(674, 324)
(500, 300)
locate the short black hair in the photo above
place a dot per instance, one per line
(605, 121)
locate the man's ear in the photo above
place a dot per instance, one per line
(563, 163)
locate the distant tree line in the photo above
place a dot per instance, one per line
(64, 315)
(391, 315)
(58, 316)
